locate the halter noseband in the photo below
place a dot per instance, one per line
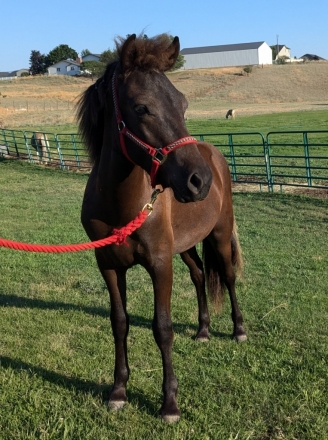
(158, 155)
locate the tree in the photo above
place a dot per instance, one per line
(93, 68)
(37, 63)
(85, 52)
(108, 56)
(179, 62)
(59, 53)
(274, 52)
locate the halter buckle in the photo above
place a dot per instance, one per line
(120, 125)
(159, 157)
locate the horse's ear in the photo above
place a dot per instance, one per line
(128, 53)
(172, 52)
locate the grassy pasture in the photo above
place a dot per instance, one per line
(287, 148)
(56, 346)
(299, 120)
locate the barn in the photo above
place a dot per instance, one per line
(227, 55)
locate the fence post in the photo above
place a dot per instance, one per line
(60, 154)
(14, 138)
(232, 157)
(307, 158)
(268, 164)
(30, 155)
(77, 158)
(5, 140)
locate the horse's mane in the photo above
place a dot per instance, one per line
(149, 54)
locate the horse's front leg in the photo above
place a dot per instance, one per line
(162, 277)
(116, 283)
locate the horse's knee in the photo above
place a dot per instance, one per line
(163, 331)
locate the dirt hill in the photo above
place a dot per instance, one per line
(275, 88)
(210, 92)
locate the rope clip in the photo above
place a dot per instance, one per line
(149, 206)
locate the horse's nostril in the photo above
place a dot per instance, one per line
(195, 183)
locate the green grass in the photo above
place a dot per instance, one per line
(307, 120)
(286, 149)
(57, 349)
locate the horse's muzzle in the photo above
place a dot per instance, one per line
(199, 185)
(195, 188)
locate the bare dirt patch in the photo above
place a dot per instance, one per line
(310, 192)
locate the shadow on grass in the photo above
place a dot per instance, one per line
(135, 320)
(74, 384)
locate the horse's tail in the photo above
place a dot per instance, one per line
(215, 272)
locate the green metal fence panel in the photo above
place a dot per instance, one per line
(64, 151)
(246, 154)
(297, 158)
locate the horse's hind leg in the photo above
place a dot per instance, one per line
(116, 284)
(218, 255)
(195, 265)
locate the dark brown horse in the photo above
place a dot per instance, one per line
(132, 121)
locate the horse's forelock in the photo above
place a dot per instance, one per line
(149, 53)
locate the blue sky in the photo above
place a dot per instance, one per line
(28, 25)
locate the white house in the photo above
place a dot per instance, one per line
(227, 55)
(282, 51)
(65, 67)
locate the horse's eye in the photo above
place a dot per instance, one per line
(141, 109)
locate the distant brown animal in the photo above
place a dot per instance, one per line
(132, 122)
(231, 113)
(40, 142)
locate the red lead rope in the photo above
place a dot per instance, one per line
(119, 236)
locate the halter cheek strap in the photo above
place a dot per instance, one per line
(158, 155)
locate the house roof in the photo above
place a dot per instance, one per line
(68, 62)
(221, 48)
(280, 46)
(311, 57)
(4, 74)
(94, 54)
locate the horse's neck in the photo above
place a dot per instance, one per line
(124, 187)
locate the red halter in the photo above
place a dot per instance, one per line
(158, 155)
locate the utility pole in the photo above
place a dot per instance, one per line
(277, 48)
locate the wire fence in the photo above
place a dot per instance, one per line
(294, 158)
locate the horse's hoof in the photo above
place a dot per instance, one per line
(202, 339)
(116, 405)
(202, 335)
(241, 338)
(171, 418)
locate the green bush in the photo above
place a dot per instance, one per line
(248, 69)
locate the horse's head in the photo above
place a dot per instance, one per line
(150, 115)
(153, 110)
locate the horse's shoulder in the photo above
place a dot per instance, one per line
(208, 150)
